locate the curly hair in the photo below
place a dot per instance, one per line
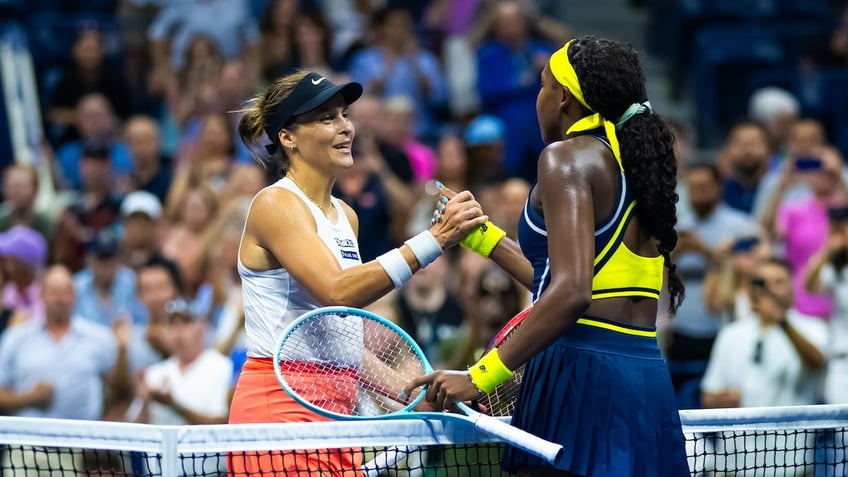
(611, 78)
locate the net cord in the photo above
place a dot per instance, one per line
(230, 437)
(765, 418)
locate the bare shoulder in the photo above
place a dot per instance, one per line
(276, 212)
(278, 200)
(571, 159)
(276, 207)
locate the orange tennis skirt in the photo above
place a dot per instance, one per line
(258, 398)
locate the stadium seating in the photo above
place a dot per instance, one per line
(725, 57)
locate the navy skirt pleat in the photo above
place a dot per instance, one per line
(607, 398)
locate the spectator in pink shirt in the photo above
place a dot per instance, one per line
(399, 125)
(24, 253)
(802, 225)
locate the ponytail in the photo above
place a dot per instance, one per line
(651, 170)
(254, 122)
(612, 81)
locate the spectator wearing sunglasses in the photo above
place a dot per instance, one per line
(775, 360)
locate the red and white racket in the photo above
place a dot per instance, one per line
(501, 401)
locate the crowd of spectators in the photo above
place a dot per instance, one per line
(133, 286)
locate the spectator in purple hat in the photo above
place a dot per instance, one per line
(24, 254)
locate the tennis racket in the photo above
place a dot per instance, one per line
(347, 363)
(501, 400)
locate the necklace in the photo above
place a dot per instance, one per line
(312, 199)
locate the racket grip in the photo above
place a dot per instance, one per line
(547, 450)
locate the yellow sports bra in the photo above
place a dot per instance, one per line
(619, 271)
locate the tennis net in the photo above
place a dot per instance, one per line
(788, 441)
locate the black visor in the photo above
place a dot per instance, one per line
(312, 91)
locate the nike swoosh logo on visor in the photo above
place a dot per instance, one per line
(318, 81)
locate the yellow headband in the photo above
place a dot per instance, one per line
(565, 75)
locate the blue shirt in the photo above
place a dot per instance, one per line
(121, 299)
(228, 22)
(508, 82)
(370, 64)
(738, 195)
(75, 366)
(71, 153)
(160, 183)
(238, 358)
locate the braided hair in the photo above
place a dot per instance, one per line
(611, 78)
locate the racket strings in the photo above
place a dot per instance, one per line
(501, 400)
(349, 364)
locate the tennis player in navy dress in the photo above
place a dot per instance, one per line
(595, 240)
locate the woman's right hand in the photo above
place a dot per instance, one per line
(456, 215)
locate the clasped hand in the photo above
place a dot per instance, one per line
(456, 215)
(445, 388)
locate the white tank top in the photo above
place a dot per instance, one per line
(272, 298)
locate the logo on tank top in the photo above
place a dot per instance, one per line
(350, 254)
(343, 244)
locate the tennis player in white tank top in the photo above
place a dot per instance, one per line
(299, 251)
(270, 312)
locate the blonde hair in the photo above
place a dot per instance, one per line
(256, 118)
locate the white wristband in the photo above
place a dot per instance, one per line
(395, 266)
(425, 247)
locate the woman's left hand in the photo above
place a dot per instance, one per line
(446, 388)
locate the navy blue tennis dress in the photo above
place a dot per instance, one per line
(602, 389)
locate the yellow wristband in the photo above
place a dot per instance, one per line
(490, 371)
(483, 239)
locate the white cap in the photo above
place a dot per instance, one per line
(766, 104)
(141, 202)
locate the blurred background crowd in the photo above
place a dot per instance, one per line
(120, 233)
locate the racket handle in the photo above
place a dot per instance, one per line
(387, 460)
(516, 437)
